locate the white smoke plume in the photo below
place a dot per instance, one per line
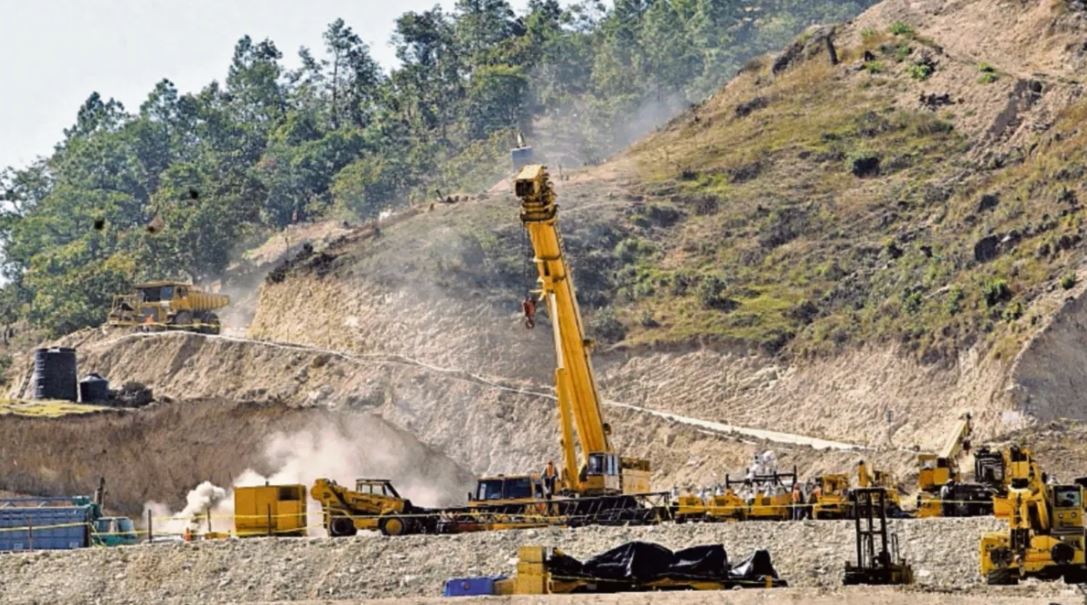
(342, 449)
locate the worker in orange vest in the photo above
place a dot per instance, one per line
(797, 499)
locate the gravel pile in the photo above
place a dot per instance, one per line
(808, 554)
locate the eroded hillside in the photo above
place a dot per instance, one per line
(854, 246)
(858, 239)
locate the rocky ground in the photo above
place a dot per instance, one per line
(808, 554)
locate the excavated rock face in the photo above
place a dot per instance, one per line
(161, 452)
(1049, 374)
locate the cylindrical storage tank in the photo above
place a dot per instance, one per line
(55, 375)
(93, 389)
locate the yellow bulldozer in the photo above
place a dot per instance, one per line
(168, 305)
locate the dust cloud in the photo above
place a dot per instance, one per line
(342, 448)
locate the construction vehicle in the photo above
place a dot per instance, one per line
(61, 523)
(508, 502)
(1000, 469)
(942, 489)
(168, 305)
(631, 567)
(885, 480)
(270, 510)
(1044, 539)
(764, 497)
(373, 505)
(832, 502)
(885, 566)
(591, 468)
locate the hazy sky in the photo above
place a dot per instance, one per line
(54, 53)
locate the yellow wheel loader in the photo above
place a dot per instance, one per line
(374, 504)
(168, 305)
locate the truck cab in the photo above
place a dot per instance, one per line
(114, 531)
(506, 489)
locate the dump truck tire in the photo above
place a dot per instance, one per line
(212, 324)
(182, 318)
(395, 526)
(341, 526)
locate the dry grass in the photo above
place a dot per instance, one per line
(46, 408)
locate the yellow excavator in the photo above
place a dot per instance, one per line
(591, 466)
(1045, 537)
(1004, 468)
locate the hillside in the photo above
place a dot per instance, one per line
(856, 246)
(891, 240)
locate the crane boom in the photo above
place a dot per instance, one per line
(599, 470)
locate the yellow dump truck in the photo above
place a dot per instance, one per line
(168, 305)
(270, 510)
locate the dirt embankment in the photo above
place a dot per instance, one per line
(485, 425)
(161, 452)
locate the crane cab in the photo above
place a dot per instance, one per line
(608, 473)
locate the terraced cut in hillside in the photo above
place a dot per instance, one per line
(857, 245)
(858, 251)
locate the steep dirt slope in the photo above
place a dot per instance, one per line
(859, 251)
(482, 424)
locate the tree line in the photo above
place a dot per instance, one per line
(170, 189)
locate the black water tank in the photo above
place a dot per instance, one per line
(93, 389)
(55, 374)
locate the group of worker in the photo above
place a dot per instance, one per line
(803, 504)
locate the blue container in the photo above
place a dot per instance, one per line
(471, 587)
(44, 524)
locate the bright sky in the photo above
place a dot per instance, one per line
(54, 53)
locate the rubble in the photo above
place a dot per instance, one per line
(809, 554)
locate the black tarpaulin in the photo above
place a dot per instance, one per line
(638, 561)
(708, 561)
(645, 562)
(756, 567)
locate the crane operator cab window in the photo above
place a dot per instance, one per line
(1068, 497)
(603, 464)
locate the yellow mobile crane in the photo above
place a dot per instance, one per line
(600, 470)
